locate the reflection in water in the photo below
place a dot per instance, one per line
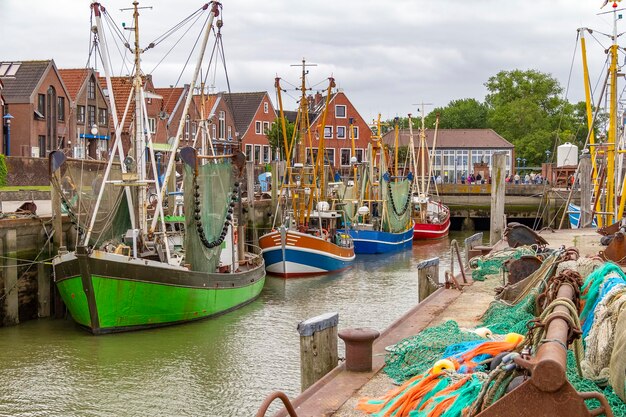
(219, 367)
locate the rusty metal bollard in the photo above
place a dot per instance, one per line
(359, 348)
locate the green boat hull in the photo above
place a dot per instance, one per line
(115, 294)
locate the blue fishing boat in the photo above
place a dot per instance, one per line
(573, 212)
(382, 223)
(367, 240)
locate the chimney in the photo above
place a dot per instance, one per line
(311, 102)
(318, 98)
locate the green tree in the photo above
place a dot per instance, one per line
(275, 136)
(467, 113)
(525, 108)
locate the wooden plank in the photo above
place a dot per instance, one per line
(11, 303)
(427, 278)
(584, 173)
(497, 197)
(318, 347)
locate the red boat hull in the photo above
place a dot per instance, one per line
(424, 231)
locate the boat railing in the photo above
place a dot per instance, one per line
(270, 399)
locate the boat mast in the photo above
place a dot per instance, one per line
(140, 140)
(423, 150)
(117, 126)
(612, 139)
(413, 159)
(181, 125)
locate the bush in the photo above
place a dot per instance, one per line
(3, 170)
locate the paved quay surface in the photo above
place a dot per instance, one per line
(338, 392)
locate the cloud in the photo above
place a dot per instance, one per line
(386, 56)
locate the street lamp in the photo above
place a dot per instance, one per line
(7, 146)
(548, 155)
(519, 163)
(159, 155)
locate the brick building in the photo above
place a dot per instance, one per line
(337, 139)
(87, 114)
(4, 119)
(253, 115)
(121, 89)
(36, 97)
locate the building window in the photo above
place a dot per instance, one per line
(152, 124)
(340, 111)
(41, 104)
(103, 117)
(266, 153)
(91, 89)
(42, 146)
(80, 114)
(214, 131)
(257, 128)
(330, 157)
(355, 132)
(266, 107)
(230, 133)
(61, 108)
(187, 128)
(222, 124)
(341, 132)
(311, 155)
(91, 115)
(359, 155)
(328, 132)
(257, 153)
(249, 153)
(266, 127)
(345, 157)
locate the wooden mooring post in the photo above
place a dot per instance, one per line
(318, 347)
(498, 221)
(427, 278)
(584, 174)
(10, 293)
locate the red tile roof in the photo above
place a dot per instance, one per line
(170, 95)
(74, 78)
(121, 90)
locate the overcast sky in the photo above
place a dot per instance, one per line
(386, 55)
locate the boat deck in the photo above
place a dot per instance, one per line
(339, 391)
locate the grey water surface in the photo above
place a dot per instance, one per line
(218, 367)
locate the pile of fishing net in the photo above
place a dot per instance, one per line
(491, 264)
(449, 371)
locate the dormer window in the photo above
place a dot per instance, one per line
(91, 89)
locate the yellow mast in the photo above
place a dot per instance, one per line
(589, 110)
(282, 121)
(395, 144)
(321, 152)
(612, 138)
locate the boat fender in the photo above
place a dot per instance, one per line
(497, 360)
(441, 365)
(515, 338)
(484, 332)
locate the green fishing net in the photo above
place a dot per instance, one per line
(492, 263)
(415, 354)
(78, 184)
(213, 193)
(502, 318)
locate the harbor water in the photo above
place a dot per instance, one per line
(219, 367)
